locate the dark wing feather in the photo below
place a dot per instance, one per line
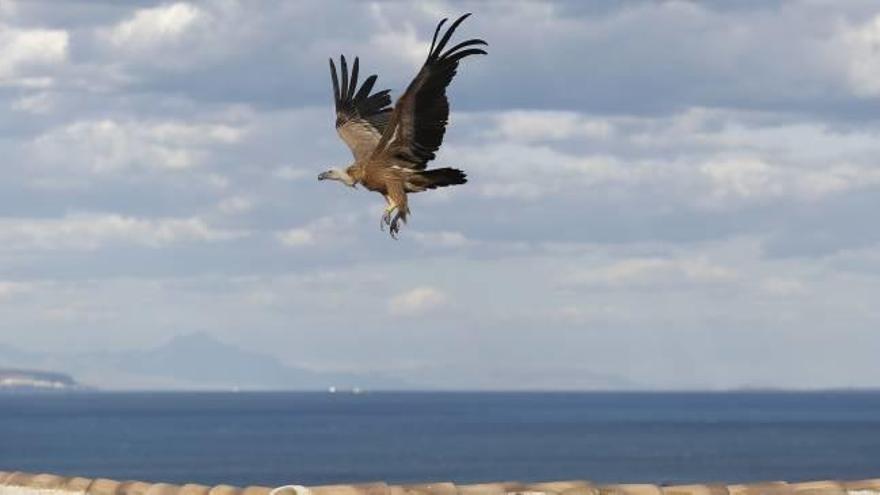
(361, 117)
(420, 116)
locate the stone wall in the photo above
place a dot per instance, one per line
(17, 483)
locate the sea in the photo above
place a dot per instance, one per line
(322, 438)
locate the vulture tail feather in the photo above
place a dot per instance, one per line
(441, 177)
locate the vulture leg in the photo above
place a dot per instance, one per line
(394, 229)
(386, 215)
(396, 203)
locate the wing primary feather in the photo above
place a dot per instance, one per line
(354, 78)
(335, 84)
(375, 102)
(462, 54)
(366, 88)
(361, 118)
(418, 124)
(462, 45)
(448, 34)
(436, 32)
(344, 86)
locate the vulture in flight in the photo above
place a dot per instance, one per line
(392, 146)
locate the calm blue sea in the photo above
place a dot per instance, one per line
(318, 438)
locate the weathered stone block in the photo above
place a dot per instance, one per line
(574, 487)
(18, 478)
(630, 489)
(194, 489)
(289, 490)
(584, 490)
(78, 484)
(429, 489)
(695, 490)
(769, 488)
(163, 489)
(360, 489)
(256, 490)
(48, 481)
(133, 488)
(224, 490)
(103, 486)
(490, 488)
(818, 488)
(862, 486)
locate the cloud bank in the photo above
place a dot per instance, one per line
(668, 195)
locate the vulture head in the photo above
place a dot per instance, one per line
(337, 174)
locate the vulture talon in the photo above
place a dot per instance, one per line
(386, 219)
(394, 229)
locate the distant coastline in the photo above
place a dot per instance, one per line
(21, 380)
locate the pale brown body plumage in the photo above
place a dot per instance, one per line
(392, 147)
(389, 178)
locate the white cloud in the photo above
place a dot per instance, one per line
(9, 289)
(297, 237)
(586, 314)
(93, 231)
(441, 239)
(860, 44)
(217, 181)
(291, 173)
(154, 27)
(236, 204)
(403, 43)
(782, 286)
(531, 171)
(743, 178)
(653, 272)
(331, 229)
(536, 125)
(697, 158)
(629, 181)
(37, 103)
(417, 301)
(513, 190)
(7, 8)
(23, 50)
(754, 179)
(104, 146)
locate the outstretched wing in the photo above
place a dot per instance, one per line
(418, 122)
(361, 117)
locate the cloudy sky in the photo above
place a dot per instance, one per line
(669, 194)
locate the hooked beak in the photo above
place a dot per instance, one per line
(324, 175)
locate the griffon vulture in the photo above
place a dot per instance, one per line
(392, 147)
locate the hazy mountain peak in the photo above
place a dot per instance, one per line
(196, 360)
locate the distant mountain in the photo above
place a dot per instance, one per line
(199, 361)
(193, 362)
(35, 380)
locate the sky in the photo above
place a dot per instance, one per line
(665, 194)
